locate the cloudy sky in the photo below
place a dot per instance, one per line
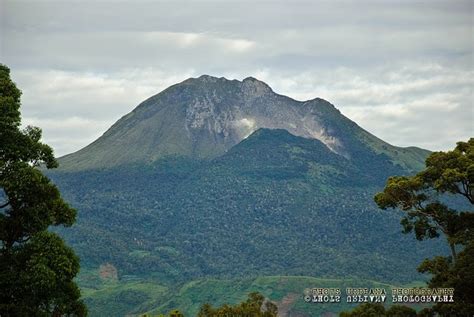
(403, 70)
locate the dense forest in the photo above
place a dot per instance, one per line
(274, 204)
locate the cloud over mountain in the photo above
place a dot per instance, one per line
(408, 61)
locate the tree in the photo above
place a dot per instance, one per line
(424, 198)
(255, 306)
(173, 313)
(378, 310)
(36, 267)
(365, 310)
(176, 313)
(400, 311)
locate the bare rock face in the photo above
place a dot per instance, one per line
(257, 106)
(204, 117)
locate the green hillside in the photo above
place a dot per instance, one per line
(274, 204)
(136, 296)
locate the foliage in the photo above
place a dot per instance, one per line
(36, 267)
(255, 306)
(366, 310)
(173, 313)
(104, 297)
(273, 204)
(450, 172)
(458, 275)
(378, 310)
(401, 311)
(420, 196)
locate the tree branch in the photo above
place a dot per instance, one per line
(465, 191)
(4, 205)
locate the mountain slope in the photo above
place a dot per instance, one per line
(204, 117)
(273, 204)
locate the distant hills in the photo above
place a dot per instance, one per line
(213, 178)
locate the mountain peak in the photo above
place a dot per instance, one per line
(210, 79)
(246, 83)
(256, 87)
(204, 117)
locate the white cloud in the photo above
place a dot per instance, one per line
(404, 106)
(58, 93)
(73, 109)
(238, 45)
(427, 105)
(68, 134)
(246, 126)
(401, 70)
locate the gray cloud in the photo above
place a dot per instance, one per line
(401, 70)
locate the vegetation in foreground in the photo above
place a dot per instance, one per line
(254, 306)
(135, 297)
(36, 267)
(428, 216)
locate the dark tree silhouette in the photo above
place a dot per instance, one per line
(36, 267)
(420, 197)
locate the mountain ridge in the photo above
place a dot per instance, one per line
(204, 117)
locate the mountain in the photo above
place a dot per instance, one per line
(218, 179)
(204, 117)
